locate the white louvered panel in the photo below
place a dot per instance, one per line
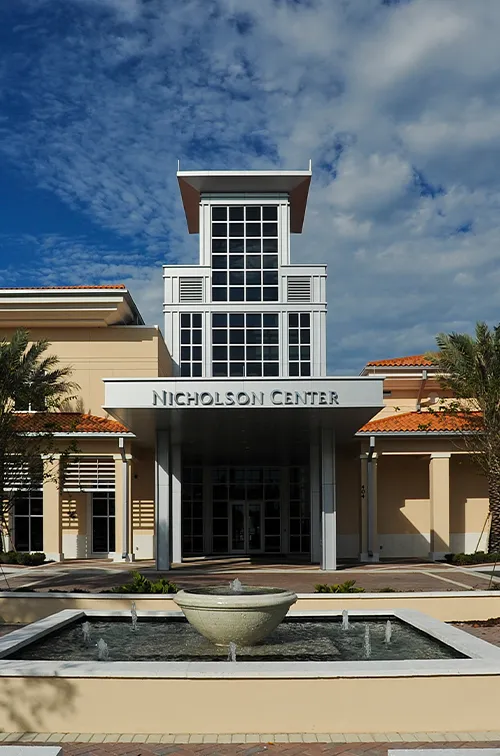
(190, 290)
(298, 288)
(17, 477)
(90, 474)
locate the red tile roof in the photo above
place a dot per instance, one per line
(415, 360)
(67, 422)
(63, 288)
(416, 422)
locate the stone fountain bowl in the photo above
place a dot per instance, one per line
(244, 617)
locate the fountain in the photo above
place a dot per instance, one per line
(169, 663)
(102, 650)
(86, 633)
(388, 632)
(133, 613)
(345, 620)
(367, 643)
(242, 614)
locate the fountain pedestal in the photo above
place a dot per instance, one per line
(244, 617)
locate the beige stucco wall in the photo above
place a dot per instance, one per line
(404, 512)
(148, 705)
(444, 606)
(403, 505)
(468, 505)
(97, 353)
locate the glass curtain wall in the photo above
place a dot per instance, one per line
(246, 514)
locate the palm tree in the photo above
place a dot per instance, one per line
(29, 380)
(470, 369)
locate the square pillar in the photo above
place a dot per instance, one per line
(370, 551)
(176, 494)
(162, 495)
(52, 510)
(328, 502)
(123, 515)
(363, 518)
(439, 494)
(372, 524)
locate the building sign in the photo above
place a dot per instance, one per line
(272, 398)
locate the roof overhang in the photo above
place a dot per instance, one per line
(193, 184)
(75, 308)
(77, 434)
(410, 434)
(251, 418)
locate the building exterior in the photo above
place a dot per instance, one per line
(428, 497)
(228, 438)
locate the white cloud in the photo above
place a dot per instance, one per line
(397, 105)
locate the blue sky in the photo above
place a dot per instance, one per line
(396, 103)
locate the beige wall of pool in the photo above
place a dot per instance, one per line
(373, 705)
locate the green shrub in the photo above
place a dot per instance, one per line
(142, 584)
(348, 587)
(387, 589)
(478, 557)
(22, 557)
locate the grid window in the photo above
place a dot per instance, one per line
(245, 253)
(192, 510)
(191, 345)
(103, 523)
(246, 509)
(299, 344)
(300, 512)
(28, 521)
(245, 345)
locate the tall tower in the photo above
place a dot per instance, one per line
(245, 311)
(246, 428)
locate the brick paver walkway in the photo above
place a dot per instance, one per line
(304, 748)
(100, 575)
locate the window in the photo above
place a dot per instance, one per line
(28, 521)
(245, 253)
(192, 510)
(245, 345)
(300, 512)
(103, 523)
(299, 344)
(191, 345)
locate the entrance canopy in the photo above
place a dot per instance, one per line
(221, 419)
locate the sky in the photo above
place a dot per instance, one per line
(396, 102)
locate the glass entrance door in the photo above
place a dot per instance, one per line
(246, 527)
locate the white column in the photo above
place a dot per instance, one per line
(328, 510)
(363, 512)
(162, 501)
(439, 495)
(123, 550)
(52, 510)
(176, 524)
(315, 499)
(372, 523)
